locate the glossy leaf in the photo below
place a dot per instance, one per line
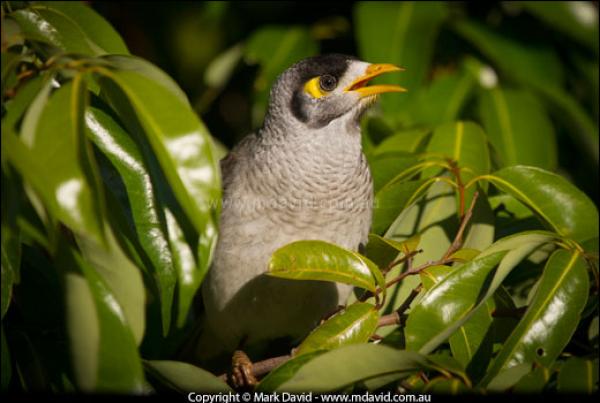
(551, 318)
(439, 307)
(285, 371)
(185, 377)
(578, 375)
(125, 156)
(403, 34)
(318, 260)
(445, 386)
(563, 207)
(353, 325)
(42, 24)
(383, 251)
(96, 29)
(103, 349)
(429, 324)
(121, 276)
(518, 128)
(148, 70)
(337, 368)
(50, 162)
(181, 145)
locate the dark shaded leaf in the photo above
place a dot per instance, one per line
(518, 128)
(185, 377)
(338, 368)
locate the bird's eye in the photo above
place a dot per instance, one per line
(327, 82)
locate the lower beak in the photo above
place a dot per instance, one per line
(360, 84)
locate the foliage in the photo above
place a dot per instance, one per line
(482, 270)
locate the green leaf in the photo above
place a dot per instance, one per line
(338, 368)
(533, 382)
(403, 34)
(125, 156)
(441, 307)
(539, 67)
(383, 251)
(578, 375)
(562, 206)
(387, 166)
(354, 325)
(285, 371)
(95, 28)
(445, 386)
(518, 128)
(402, 141)
(551, 318)
(465, 143)
(122, 278)
(440, 313)
(182, 146)
(49, 160)
(275, 48)
(220, 70)
(578, 20)
(148, 70)
(103, 350)
(185, 377)
(392, 199)
(443, 100)
(42, 24)
(318, 260)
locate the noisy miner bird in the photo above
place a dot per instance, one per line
(302, 176)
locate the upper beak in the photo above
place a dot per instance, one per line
(374, 70)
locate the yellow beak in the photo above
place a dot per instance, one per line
(374, 70)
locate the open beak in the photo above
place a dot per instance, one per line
(360, 84)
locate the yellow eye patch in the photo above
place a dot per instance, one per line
(313, 88)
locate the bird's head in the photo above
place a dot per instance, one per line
(322, 89)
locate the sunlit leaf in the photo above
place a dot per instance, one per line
(562, 206)
(96, 29)
(353, 325)
(182, 146)
(318, 260)
(551, 318)
(125, 156)
(49, 161)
